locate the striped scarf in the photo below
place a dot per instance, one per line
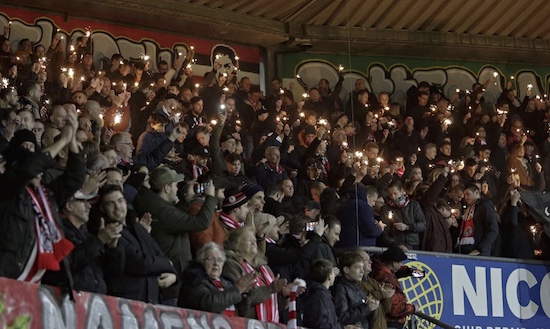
(292, 313)
(268, 310)
(230, 310)
(51, 246)
(229, 222)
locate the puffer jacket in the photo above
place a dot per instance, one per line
(351, 303)
(411, 215)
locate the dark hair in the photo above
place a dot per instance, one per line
(331, 221)
(397, 184)
(297, 224)
(472, 187)
(273, 189)
(347, 259)
(320, 270)
(157, 118)
(108, 189)
(232, 157)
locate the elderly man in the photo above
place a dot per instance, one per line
(124, 148)
(146, 269)
(269, 171)
(172, 225)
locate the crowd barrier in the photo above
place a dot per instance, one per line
(30, 306)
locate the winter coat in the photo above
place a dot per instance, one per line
(485, 229)
(400, 309)
(351, 303)
(200, 293)
(411, 215)
(143, 263)
(357, 219)
(171, 227)
(319, 311)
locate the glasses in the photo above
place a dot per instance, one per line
(127, 144)
(213, 260)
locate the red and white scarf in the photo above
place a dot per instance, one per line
(51, 245)
(229, 222)
(268, 310)
(466, 236)
(292, 313)
(230, 310)
(197, 171)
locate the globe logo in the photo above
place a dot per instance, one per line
(425, 292)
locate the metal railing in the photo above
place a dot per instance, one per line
(413, 321)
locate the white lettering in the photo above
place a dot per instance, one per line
(463, 286)
(496, 292)
(521, 312)
(51, 316)
(545, 294)
(98, 314)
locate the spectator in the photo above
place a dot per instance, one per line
(172, 225)
(319, 311)
(479, 228)
(385, 270)
(146, 269)
(353, 305)
(207, 290)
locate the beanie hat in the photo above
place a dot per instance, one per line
(394, 253)
(251, 189)
(233, 201)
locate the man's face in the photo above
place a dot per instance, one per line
(257, 202)
(59, 116)
(113, 205)
(114, 178)
(27, 120)
(163, 68)
(309, 138)
(431, 153)
(36, 93)
(275, 86)
(187, 95)
(314, 95)
(79, 209)
(111, 157)
(372, 153)
(125, 148)
(245, 84)
(485, 154)
(416, 174)
(360, 84)
(288, 188)
(423, 100)
(87, 60)
(446, 150)
(230, 105)
(470, 170)
(234, 168)
(203, 138)
(38, 130)
(173, 90)
(106, 89)
(355, 272)
(12, 98)
(172, 193)
(198, 107)
(395, 193)
(85, 124)
(367, 262)
(333, 234)
(371, 199)
(274, 156)
(6, 46)
(242, 212)
(79, 98)
(384, 99)
(470, 197)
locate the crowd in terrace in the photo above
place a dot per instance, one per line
(221, 197)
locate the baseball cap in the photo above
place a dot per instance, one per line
(162, 176)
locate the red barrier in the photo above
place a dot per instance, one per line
(24, 305)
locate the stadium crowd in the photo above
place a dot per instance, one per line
(218, 197)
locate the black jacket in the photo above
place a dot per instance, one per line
(143, 263)
(319, 310)
(485, 229)
(200, 293)
(350, 302)
(17, 227)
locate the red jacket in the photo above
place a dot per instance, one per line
(400, 309)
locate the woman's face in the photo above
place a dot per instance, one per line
(247, 245)
(213, 261)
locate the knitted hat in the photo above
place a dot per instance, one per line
(233, 201)
(201, 150)
(251, 189)
(394, 253)
(310, 130)
(23, 135)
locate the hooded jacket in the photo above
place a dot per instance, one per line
(357, 219)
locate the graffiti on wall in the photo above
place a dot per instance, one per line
(29, 306)
(131, 43)
(398, 78)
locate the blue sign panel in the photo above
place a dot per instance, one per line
(480, 294)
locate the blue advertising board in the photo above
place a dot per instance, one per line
(470, 293)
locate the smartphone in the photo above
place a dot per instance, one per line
(416, 273)
(310, 226)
